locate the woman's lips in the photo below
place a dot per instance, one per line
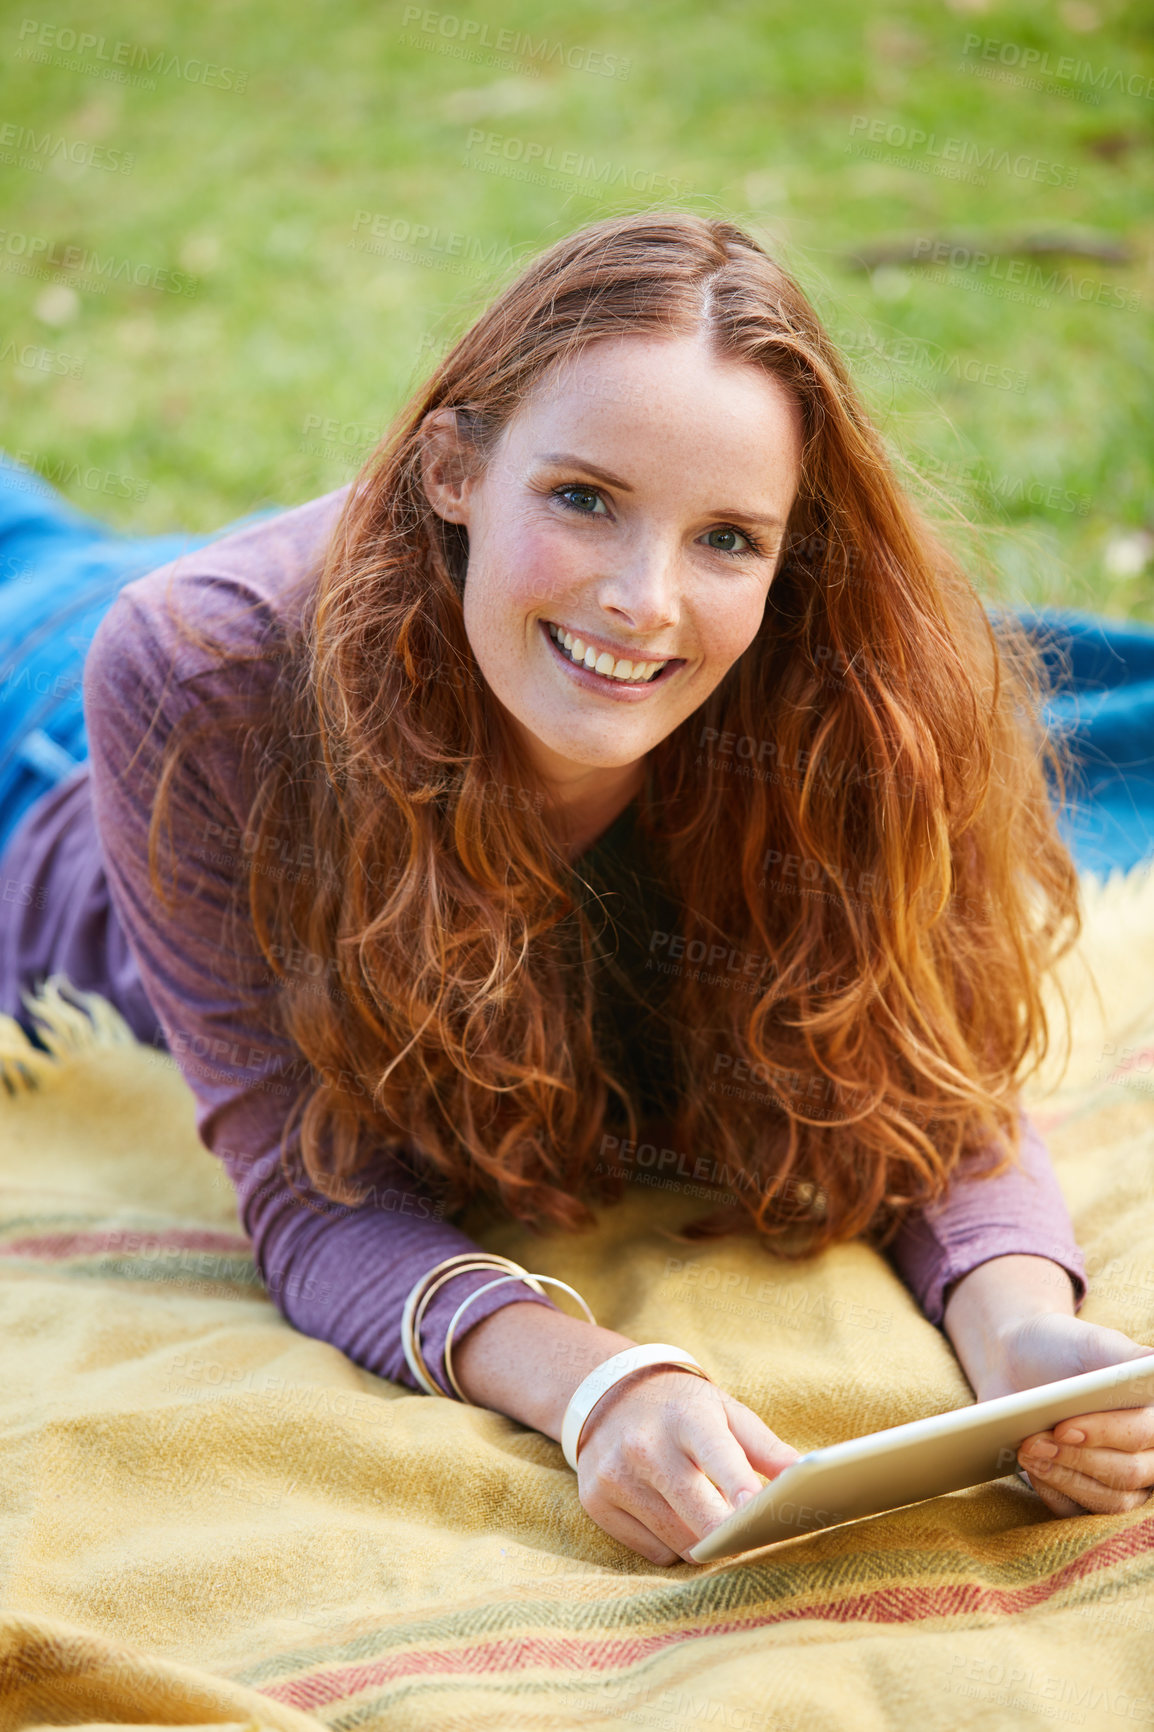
(602, 682)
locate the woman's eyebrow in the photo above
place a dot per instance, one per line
(567, 457)
(570, 459)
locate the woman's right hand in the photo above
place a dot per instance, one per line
(666, 1456)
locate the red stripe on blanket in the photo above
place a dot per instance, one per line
(84, 1243)
(893, 1605)
(1051, 1119)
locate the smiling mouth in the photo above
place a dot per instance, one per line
(615, 672)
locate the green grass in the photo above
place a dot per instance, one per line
(204, 402)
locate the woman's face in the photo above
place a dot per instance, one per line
(637, 503)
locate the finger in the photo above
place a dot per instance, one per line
(1055, 1501)
(763, 1448)
(644, 1503)
(1129, 1428)
(1092, 1494)
(672, 1488)
(1117, 1469)
(728, 1474)
(1123, 1469)
(620, 1525)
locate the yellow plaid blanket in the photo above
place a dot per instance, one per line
(209, 1519)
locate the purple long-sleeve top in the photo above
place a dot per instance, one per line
(181, 975)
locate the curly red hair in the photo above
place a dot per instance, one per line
(862, 803)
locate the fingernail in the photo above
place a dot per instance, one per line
(1074, 1437)
(742, 1497)
(1043, 1451)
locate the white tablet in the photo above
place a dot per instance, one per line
(926, 1458)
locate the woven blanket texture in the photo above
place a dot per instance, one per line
(209, 1519)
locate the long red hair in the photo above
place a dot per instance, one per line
(861, 804)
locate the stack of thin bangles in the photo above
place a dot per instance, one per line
(586, 1396)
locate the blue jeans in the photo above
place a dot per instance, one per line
(1103, 704)
(60, 570)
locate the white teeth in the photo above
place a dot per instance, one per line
(604, 663)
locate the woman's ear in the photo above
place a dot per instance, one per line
(448, 465)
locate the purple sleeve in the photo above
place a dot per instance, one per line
(340, 1274)
(1022, 1211)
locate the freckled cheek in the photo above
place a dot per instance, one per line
(543, 571)
(722, 644)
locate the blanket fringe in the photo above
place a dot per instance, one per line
(68, 1030)
(1119, 893)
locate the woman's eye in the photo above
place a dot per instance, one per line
(562, 493)
(750, 544)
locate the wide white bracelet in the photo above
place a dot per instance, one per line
(605, 1376)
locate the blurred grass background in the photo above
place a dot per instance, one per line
(252, 151)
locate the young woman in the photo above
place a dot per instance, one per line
(621, 724)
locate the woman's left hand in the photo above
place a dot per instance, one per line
(1097, 1463)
